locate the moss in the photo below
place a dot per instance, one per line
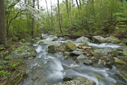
(15, 80)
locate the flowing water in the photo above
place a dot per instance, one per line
(48, 69)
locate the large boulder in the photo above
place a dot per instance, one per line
(71, 45)
(77, 81)
(111, 39)
(82, 58)
(25, 52)
(63, 47)
(82, 39)
(52, 49)
(55, 38)
(48, 42)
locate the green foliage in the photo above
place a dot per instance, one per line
(1, 67)
(4, 73)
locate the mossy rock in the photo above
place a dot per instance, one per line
(71, 45)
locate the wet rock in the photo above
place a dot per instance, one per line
(37, 38)
(82, 39)
(124, 58)
(66, 53)
(88, 62)
(77, 81)
(52, 49)
(121, 76)
(68, 78)
(82, 58)
(76, 53)
(111, 39)
(48, 42)
(109, 63)
(34, 78)
(32, 41)
(119, 61)
(96, 55)
(55, 38)
(28, 43)
(106, 51)
(26, 52)
(63, 47)
(40, 42)
(125, 52)
(125, 41)
(84, 44)
(71, 45)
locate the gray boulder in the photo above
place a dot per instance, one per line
(48, 42)
(52, 49)
(77, 81)
(26, 52)
(88, 62)
(82, 58)
(71, 45)
(82, 39)
(111, 39)
(63, 47)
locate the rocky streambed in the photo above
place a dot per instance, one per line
(61, 61)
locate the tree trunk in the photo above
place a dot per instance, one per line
(33, 20)
(3, 37)
(48, 14)
(67, 8)
(77, 4)
(59, 18)
(51, 15)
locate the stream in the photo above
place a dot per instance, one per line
(48, 69)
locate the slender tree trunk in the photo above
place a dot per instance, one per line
(77, 4)
(59, 18)
(33, 20)
(67, 8)
(51, 15)
(80, 4)
(48, 14)
(3, 37)
(38, 27)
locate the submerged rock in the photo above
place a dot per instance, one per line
(77, 81)
(88, 62)
(71, 45)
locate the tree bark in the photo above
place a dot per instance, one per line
(67, 8)
(3, 37)
(59, 18)
(33, 20)
(48, 14)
